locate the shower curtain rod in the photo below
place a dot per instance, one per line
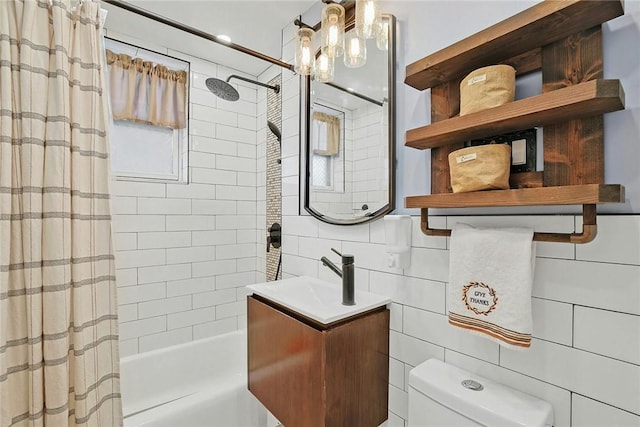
(356, 94)
(175, 24)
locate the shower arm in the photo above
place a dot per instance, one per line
(194, 31)
(275, 88)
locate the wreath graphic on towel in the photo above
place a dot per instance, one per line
(479, 298)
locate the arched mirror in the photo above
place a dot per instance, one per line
(349, 137)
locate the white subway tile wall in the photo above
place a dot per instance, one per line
(585, 354)
(585, 357)
(183, 249)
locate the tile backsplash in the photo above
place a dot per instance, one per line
(585, 352)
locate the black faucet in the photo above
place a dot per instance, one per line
(348, 282)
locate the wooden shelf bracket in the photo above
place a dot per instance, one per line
(589, 228)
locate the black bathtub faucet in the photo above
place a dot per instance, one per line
(347, 274)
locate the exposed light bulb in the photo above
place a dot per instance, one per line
(354, 47)
(382, 36)
(323, 63)
(355, 54)
(324, 68)
(306, 55)
(333, 36)
(369, 14)
(367, 18)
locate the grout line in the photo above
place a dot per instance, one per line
(604, 309)
(603, 403)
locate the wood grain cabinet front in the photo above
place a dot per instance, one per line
(308, 374)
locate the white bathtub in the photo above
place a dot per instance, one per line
(201, 383)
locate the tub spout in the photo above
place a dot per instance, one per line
(347, 274)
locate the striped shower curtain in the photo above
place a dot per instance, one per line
(58, 325)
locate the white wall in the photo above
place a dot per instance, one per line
(585, 356)
(185, 252)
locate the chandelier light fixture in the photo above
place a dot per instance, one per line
(334, 42)
(305, 53)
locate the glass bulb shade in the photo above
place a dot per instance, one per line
(332, 28)
(367, 18)
(304, 59)
(382, 36)
(323, 71)
(355, 53)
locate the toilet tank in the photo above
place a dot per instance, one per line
(437, 397)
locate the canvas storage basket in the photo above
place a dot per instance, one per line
(487, 87)
(483, 167)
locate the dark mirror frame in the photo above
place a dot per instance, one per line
(306, 133)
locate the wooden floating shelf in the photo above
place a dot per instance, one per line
(540, 25)
(566, 195)
(574, 102)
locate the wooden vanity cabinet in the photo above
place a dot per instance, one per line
(308, 374)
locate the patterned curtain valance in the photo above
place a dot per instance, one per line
(146, 93)
(326, 134)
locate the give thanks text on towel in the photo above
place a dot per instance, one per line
(490, 280)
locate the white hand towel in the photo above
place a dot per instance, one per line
(490, 280)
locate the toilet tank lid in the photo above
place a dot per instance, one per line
(494, 405)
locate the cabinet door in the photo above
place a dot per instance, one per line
(286, 365)
(357, 371)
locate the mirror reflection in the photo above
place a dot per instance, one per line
(350, 136)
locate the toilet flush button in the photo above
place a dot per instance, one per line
(472, 385)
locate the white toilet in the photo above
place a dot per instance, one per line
(442, 395)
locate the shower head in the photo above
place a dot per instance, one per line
(222, 89)
(274, 129)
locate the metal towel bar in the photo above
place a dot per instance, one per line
(589, 228)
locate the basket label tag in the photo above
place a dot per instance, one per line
(466, 158)
(476, 79)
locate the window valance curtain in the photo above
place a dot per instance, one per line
(146, 93)
(326, 134)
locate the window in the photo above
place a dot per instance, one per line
(322, 171)
(327, 145)
(141, 150)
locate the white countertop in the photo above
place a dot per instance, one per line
(316, 299)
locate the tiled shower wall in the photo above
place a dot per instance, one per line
(585, 356)
(370, 157)
(274, 177)
(185, 251)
